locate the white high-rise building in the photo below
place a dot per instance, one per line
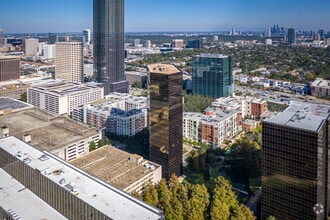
(31, 46)
(49, 51)
(86, 36)
(69, 61)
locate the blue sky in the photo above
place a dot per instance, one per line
(23, 16)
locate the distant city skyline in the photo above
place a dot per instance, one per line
(39, 16)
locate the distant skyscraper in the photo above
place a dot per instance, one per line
(86, 36)
(193, 44)
(109, 54)
(136, 42)
(166, 111)
(30, 46)
(69, 61)
(291, 36)
(2, 38)
(146, 43)
(233, 32)
(9, 68)
(215, 38)
(212, 75)
(177, 43)
(49, 51)
(295, 163)
(52, 38)
(268, 32)
(321, 32)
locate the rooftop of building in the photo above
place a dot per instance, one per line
(163, 68)
(106, 198)
(135, 73)
(114, 166)
(302, 115)
(16, 199)
(212, 55)
(13, 104)
(218, 116)
(9, 57)
(319, 82)
(63, 88)
(48, 132)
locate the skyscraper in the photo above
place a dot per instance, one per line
(9, 68)
(166, 111)
(2, 38)
(291, 36)
(212, 75)
(30, 46)
(295, 163)
(52, 38)
(86, 36)
(109, 53)
(69, 61)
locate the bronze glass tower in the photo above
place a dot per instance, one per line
(166, 111)
(295, 147)
(108, 46)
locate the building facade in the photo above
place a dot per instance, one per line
(295, 163)
(86, 36)
(72, 192)
(49, 51)
(108, 46)
(212, 75)
(292, 36)
(9, 68)
(30, 46)
(69, 64)
(166, 110)
(61, 98)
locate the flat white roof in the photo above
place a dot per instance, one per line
(22, 202)
(107, 199)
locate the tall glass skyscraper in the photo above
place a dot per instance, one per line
(166, 108)
(108, 25)
(291, 36)
(212, 75)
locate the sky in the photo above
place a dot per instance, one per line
(43, 16)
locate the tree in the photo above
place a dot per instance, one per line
(23, 97)
(199, 201)
(92, 146)
(106, 141)
(243, 213)
(150, 194)
(100, 143)
(272, 218)
(137, 84)
(219, 210)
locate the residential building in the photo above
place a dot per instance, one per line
(146, 44)
(69, 192)
(108, 47)
(320, 88)
(212, 75)
(30, 46)
(212, 127)
(52, 38)
(166, 107)
(86, 36)
(118, 113)
(295, 163)
(61, 98)
(292, 36)
(57, 135)
(69, 64)
(178, 43)
(9, 68)
(49, 51)
(128, 172)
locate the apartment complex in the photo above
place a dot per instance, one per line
(213, 126)
(71, 192)
(118, 113)
(295, 163)
(212, 75)
(108, 45)
(128, 172)
(61, 98)
(166, 107)
(9, 68)
(69, 64)
(57, 135)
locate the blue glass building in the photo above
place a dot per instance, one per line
(212, 75)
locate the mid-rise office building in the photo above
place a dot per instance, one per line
(212, 75)
(291, 36)
(86, 36)
(146, 43)
(193, 44)
(177, 43)
(52, 38)
(166, 108)
(108, 46)
(9, 68)
(69, 64)
(49, 51)
(136, 42)
(30, 46)
(71, 192)
(295, 163)
(61, 98)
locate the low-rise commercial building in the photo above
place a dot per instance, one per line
(320, 87)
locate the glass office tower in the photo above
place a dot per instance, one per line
(212, 75)
(295, 147)
(108, 46)
(166, 109)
